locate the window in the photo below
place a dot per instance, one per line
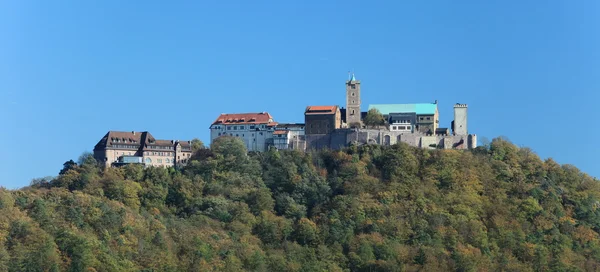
(159, 160)
(241, 127)
(261, 134)
(229, 128)
(353, 86)
(428, 118)
(352, 112)
(148, 160)
(243, 135)
(237, 135)
(252, 127)
(353, 102)
(352, 94)
(402, 127)
(166, 160)
(394, 128)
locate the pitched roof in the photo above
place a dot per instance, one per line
(320, 110)
(421, 108)
(163, 142)
(120, 137)
(244, 118)
(185, 143)
(132, 138)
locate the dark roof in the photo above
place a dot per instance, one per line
(185, 143)
(137, 139)
(289, 125)
(121, 138)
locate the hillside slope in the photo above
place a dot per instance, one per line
(368, 208)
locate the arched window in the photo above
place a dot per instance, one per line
(352, 111)
(166, 160)
(148, 160)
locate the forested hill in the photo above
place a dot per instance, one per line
(368, 208)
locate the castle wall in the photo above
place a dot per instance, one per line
(341, 138)
(318, 141)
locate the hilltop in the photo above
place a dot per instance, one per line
(366, 208)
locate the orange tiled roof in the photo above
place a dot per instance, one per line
(320, 109)
(277, 132)
(245, 118)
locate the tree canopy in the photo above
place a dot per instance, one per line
(366, 208)
(374, 118)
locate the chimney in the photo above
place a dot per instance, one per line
(133, 132)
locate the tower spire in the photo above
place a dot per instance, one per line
(353, 78)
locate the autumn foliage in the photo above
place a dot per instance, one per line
(366, 208)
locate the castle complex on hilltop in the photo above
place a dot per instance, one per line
(334, 127)
(324, 127)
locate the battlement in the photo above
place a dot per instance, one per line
(458, 105)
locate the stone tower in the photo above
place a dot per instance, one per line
(459, 125)
(352, 101)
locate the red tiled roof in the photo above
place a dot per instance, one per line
(320, 110)
(277, 132)
(244, 118)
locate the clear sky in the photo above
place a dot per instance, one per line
(72, 70)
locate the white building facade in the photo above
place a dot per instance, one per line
(254, 129)
(289, 136)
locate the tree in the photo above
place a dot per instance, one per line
(86, 158)
(374, 118)
(196, 145)
(230, 153)
(70, 164)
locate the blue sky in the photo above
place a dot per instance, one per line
(72, 70)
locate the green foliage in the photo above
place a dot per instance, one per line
(197, 145)
(374, 118)
(367, 208)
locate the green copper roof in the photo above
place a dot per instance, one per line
(353, 78)
(421, 108)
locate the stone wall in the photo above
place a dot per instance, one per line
(341, 138)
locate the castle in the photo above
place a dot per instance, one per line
(334, 127)
(328, 127)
